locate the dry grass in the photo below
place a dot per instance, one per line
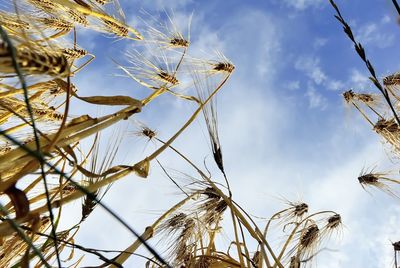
(43, 135)
(382, 115)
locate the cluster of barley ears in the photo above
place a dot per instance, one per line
(381, 112)
(46, 163)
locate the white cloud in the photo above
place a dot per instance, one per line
(359, 80)
(386, 19)
(311, 67)
(315, 99)
(302, 4)
(374, 34)
(293, 85)
(320, 42)
(158, 5)
(335, 85)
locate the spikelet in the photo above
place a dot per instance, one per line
(144, 131)
(178, 231)
(220, 65)
(334, 221)
(392, 83)
(45, 5)
(396, 249)
(11, 21)
(204, 88)
(76, 17)
(56, 23)
(390, 132)
(223, 66)
(47, 114)
(182, 250)
(165, 35)
(98, 167)
(103, 2)
(256, 259)
(40, 110)
(309, 236)
(308, 241)
(34, 60)
(212, 207)
(204, 262)
(360, 100)
(5, 148)
(74, 53)
(172, 225)
(380, 181)
(184, 230)
(152, 73)
(293, 213)
(116, 28)
(333, 225)
(149, 133)
(372, 100)
(294, 262)
(396, 246)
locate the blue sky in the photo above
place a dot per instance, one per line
(283, 126)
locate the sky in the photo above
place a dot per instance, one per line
(284, 129)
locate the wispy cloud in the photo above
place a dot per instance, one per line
(359, 80)
(317, 81)
(159, 5)
(372, 34)
(293, 85)
(311, 67)
(302, 4)
(315, 99)
(320, 42)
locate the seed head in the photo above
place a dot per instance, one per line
(179, 42)
(177, 221)
(78, 17)
(224, 67)
(294, 262)
(211, 193)
(102, 2)
(56, 23)
(203, 262)
(116, 28)
(348, 96)
(365, 98)
(368, 179)
(396, 246)
(310, 236)
(168, 78)
(386, 125)
(69, 188)
(392, 80)
(148, 132)
(300, 209)
(256, 258)
(74, 53)
(334, 221)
